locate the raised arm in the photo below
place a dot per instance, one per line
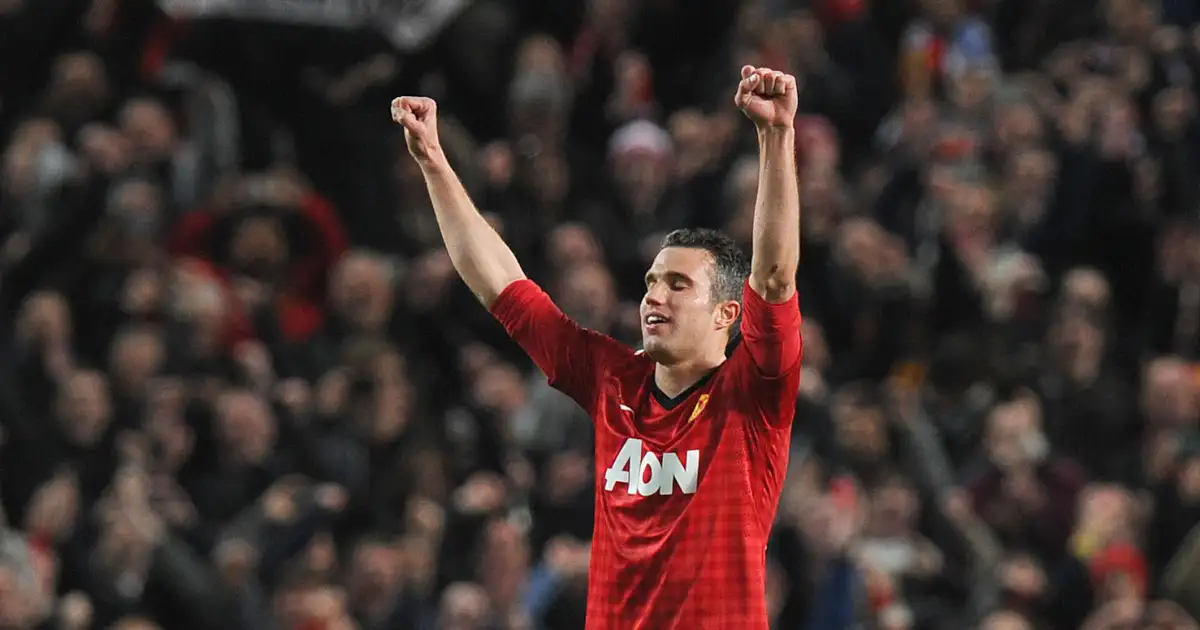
(769, 98)
(481, 257)
(571, 357)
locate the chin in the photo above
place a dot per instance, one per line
(656, 349)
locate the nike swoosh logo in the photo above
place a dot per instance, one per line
(627, 408)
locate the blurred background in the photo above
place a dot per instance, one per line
(242, 388)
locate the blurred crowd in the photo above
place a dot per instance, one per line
(242, 388)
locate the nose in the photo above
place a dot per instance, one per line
(654, 295)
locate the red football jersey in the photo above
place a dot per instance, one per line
(686, 488)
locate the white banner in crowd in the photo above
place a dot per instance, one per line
(410, 24)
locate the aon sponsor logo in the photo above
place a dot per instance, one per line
(647, 473)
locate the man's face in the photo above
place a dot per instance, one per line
(681, 317)
(376, 571)
(85, 407)
(362, 293)
(147, 125)
(589, 297)
(246, 426)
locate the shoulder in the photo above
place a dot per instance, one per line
(629, 364)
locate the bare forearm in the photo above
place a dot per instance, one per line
(481, 257)
(776, 217)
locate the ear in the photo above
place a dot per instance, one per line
(726, 314)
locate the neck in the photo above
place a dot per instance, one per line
(675, 379)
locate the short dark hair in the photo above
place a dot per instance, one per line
(730, 265)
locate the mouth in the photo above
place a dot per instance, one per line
(654, 322)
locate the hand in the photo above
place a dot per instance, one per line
(418, 115)
(767, 97)
(171, 502)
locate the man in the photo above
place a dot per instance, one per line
(691, 448)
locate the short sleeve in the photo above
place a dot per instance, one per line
(573, 358)
(769, 358)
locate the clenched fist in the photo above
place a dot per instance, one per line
(767, 97)
(418, 115)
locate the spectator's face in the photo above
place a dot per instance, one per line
(464, 607)
(149, 129)
(893, 508)
(1118, 130)
(588, 296)
(972, 89)
(135, 358)
(860, 431)
(698, 139)
(259, 248)
(21, 168)
(1189, 480)
(375, 574)
(1018, 125)
(137, 211)
(680, 291)
(1169, 394)
(1106, 512)
(1014, 437)
(79, 87)
(1173, 109)
(1032, 174)
(1130, 20)
(499, 388)
(84, 407)
(641, 177)
(246, 427)
(1086, 289)
(547, 176)
(540, 91)
(362, 293)
(860, 245)
(573, 244)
